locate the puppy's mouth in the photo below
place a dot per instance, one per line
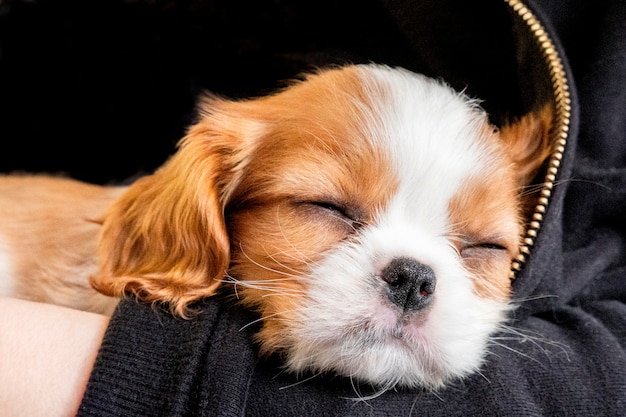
(391, 326)
(408, 326)
(394, 338)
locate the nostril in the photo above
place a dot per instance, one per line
(396, 274)
(425, 289)
(411, 283)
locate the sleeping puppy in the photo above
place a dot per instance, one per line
(370, 216)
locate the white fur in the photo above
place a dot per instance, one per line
(433, 138)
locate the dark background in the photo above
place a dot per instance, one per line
(102, 89)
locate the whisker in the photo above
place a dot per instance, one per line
(296, 250)
(263, 285)
(377, 392)
(264, 266)
(276, 293)
(504, 346)
(532, 298)
(232, 279)
(537, 339)
(295, 273)
(296, 256)
(272, 290)
(266, 317)
(300, 382)
(522, 336)
(483, 376)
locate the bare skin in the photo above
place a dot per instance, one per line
(46, 355)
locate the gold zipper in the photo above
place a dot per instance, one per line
(560, 129)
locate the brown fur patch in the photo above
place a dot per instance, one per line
(485, 219)
(262, 162)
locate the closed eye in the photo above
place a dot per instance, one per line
(488, 245)
(482, 249)
(329, 206)
(338, 211)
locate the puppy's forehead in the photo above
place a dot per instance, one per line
(437, 139)
(375, 132)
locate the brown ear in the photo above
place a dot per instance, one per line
(165, 239)
(528, 142)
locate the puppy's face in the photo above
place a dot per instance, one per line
(369, 215)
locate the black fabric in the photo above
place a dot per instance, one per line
(175, 356)
(569, 357)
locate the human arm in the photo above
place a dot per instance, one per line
(46, 356)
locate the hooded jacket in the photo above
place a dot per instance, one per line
(565, 353)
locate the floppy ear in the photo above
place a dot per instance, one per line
(528, 142)
(165, 239)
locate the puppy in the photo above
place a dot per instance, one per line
(370, 216)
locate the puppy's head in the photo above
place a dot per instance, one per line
(369, 214)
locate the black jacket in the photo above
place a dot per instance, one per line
(567, 352)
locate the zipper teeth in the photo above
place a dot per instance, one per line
(560, 129)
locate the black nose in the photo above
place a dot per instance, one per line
(411, 284)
